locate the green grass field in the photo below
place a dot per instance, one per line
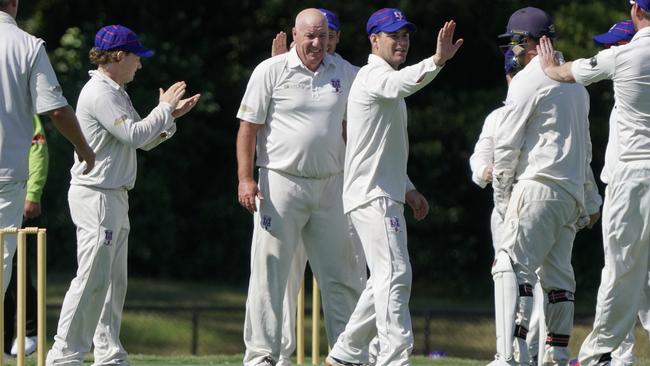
(138, 360)
(149, 330)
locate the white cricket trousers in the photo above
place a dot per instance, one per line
(624, 278)
(91, 313)
(538, 236)
(289, 307)
(290, 304)
(383, 307)
(12, 203)
(296, 209)
(536, 331)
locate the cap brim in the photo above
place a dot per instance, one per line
(137, 49)
(607, 38)
(399, 25)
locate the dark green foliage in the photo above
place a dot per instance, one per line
(185, 219)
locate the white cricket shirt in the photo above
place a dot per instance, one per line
(483, 156)
(611, 151)
(114, 131)
(628, 66)
(377, 148)
(302, 113)
(28, 85)
(544, 136)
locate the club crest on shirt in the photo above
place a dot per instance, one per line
(266, 222)
(336, 84)
(108, 237)
(395, 224)
(120, 120)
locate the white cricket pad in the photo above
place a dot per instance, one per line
(505, 302)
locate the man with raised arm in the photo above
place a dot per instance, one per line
(376, 186)
(626, 213)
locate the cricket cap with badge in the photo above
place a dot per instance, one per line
(388, 20)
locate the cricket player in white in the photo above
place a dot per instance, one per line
(542, 186)
(482, 164)
(376, 187)
(91, 313)
(626, 213)
(292, 115)
(28, 85)
(296, 273)
(482, 159)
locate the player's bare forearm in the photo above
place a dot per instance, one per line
(66, 122)
(246, 140)
(561, 73)
(247, 190)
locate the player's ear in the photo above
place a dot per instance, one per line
(374, 39)
(294, 33)
(119, 55)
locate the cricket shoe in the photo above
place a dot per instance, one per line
(333, 361)
(499, 362)
(30, 346)
(267, 361)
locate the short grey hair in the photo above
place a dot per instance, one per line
(4, 3)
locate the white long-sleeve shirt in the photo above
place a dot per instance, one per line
(628, 66)
(377, 147)
(483, 156)
(114, 131)
(544, 136)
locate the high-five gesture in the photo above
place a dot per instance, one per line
(446, 48)
(546, 53)
(550, 64)
(279, 44)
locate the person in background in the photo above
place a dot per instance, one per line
(38, 168)
(28, 85)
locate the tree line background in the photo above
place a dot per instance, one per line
(186, 222)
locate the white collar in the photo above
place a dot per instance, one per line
(6, 18)
(100, 75)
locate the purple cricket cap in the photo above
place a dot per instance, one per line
(531, 22)
(644, 4)
(388, 20)
(120, 38)
(621, 31)
(332, 19)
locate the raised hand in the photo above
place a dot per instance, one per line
(174, 94)
(546, 53)
(279, 44)
(185, 105)
(446, 48)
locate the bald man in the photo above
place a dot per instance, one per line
(291, 115)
